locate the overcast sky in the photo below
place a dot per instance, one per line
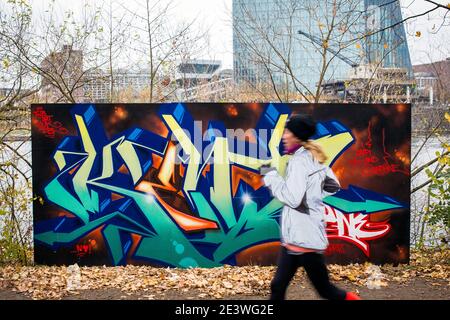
(433, 43)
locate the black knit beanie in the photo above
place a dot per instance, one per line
(302, 126)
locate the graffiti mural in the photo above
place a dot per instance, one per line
(178, 185)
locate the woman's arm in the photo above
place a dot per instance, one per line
(290, 190)
(331, 183)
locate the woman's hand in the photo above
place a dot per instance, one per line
(266, 168)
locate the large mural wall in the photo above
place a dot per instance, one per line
(178, 185)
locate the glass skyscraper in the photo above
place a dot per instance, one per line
(388, 46)
(283, 41)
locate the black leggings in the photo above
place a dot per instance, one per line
(315, 268)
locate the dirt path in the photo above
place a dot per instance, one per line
(414, 289)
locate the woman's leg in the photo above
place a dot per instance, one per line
(314, 264)
(287, 266)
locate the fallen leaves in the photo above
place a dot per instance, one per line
(375, 277)
(42, 282)
(352, 272)
(51, 282)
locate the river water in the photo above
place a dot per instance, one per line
(419, 199)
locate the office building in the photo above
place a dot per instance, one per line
(284, 41)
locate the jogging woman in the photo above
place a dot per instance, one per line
(303, 236)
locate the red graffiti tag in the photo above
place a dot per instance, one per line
(355, 228)
(46, 125)
(370, 164)
(84, 249)
(335, 248)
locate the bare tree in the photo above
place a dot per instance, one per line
(112, 42)
(329, 32)
(315, 31)
(431, 155)
(38, 49)
(161, 44)
(436, 6)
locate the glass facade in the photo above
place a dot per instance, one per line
(282, 41)
(389, 46)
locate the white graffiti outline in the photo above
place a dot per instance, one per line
(355, 228)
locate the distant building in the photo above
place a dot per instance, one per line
(98, 84)
(225, 74)
(202, 80)
(388, 47)
(63, 73)
(4, 92)
(263, 27)
(191, 73)
(433, 79)
(62, 76)
(427, 84)
(188, 77)
(370, 83)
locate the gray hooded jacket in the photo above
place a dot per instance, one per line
(306, 183)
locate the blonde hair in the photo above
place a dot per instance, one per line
(316, 150)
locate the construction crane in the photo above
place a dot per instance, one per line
(320, 43)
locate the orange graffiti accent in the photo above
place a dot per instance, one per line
(115, 196)
(381, 216)
(120, 112)
(182, 169)
(180, 193)
(401, 108)
(402, 252)
(387, 155)
(232, 111)
(252, 179)
(206, 170)
(186, 222)
(135, 239)
(96, 235)
(123, 169)
(260, 254)
(166, 167)
(153, 123)
(156, 161)
(403, 157)
(66, 214)
(74, 169)
(254, 106)
(163, 187)
(339, 172)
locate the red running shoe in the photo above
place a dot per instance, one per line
(352, 296)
